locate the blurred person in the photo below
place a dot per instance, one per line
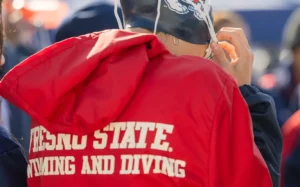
(30, 25)
(47, 15)
(17, 47)
(13, 165)
(286, 76)
(287, 93)
(130, 108)
(27, 30)
(96, 16)
(291, 152)
(230, 19)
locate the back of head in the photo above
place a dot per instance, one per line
(178, 18)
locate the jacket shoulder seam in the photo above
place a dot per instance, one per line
(226, 82)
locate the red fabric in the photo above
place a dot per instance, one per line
(291, 135)
(117, 109)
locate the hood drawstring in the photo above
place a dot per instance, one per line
(157, 16)
(121, 26)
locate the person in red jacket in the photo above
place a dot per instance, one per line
(131, 108)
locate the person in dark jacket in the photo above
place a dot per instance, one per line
(291, 152)
(13, 164)
(17, 120)
(18, 45)
(286, 76)
(267, 134)
(292, 168)
(97, 16)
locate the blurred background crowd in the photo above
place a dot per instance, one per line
(272, 26)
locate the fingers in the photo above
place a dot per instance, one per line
(240, 31)
(219, 55)
(230, 49)
(236, 38)
(233, 38)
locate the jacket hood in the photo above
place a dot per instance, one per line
(84, 83)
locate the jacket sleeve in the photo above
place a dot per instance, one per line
(292, 169)
(267, 133)
(235, 160)
(13, 165)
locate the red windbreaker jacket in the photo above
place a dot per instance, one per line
(115, 108)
